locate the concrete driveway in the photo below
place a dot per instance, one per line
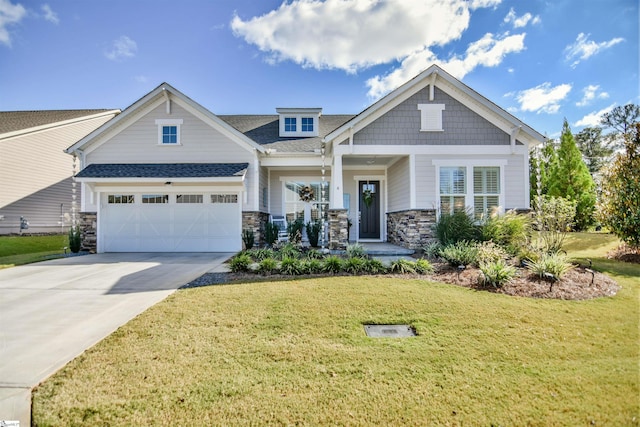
(50, 312)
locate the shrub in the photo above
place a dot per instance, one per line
(356, 250)
(240, 262)
(290, 266)
(267, 266)
(511, 231)
(354, 265)
(248, 238)
(75, 239)
(402, 266)
(294, 230)
(313, 232)
(553, 219)
(332, 264)
(375, 266)
(288, 250)
(260, 254)
(432, 250)
(489, 252)
(453, 228)
(314, 254)
(271, 231)
(423, 266)
(461, 253)
(311, 266)
(556, 264)
(497, 273)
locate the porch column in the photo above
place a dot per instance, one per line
(336, 199)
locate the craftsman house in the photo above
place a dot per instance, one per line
(168, 175)
(35, 173)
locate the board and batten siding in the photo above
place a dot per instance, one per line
(398, 185)
(401, 125)
(199, 143)
(36, 176)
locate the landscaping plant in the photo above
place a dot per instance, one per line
(290, 266)
(556, 264)
(423, 266)
(453, 228)
(460, 253)
(402, 266)
(294, 230)
(332, 264)
(240, 263)
(497, 273)
(354, 265)
(313, 232)
(355, 250)
(271, 232)
(267, 266)
(553, 219)
(248, 238)
(75, 239)
(510, 230)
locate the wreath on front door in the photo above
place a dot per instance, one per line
(307, 194)
(367, 197)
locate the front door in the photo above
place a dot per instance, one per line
(369, 209)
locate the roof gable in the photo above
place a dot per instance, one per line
(163, 93)
(436, 76)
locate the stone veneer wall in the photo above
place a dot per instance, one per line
(338, 228)
(88, 223)
(411, 229)
(255, 221)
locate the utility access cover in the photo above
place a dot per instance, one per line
(390, 331)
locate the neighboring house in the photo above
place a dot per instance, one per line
(35, 173)
(169, 175)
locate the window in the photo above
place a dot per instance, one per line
(224, 198)
(155, 198)
(486, 190)
(307, 124)
(120, 199)
(476, 185)
(189, 198)
(169, 131)
(453, 189)
(169, 134)
(290, 124)
(431, 117)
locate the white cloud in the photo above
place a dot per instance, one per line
(584, 48)
(49, 14)
(9, 14)
(520, 21)
(354, 34)
(122, 48)
(479, 4)
(543, 98)
(590, 93)
(593, 118)
(489, 51)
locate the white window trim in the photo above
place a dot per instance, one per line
(169, 122)
(433, 111)
(298, 131)
(469, 165)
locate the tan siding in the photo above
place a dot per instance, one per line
(35, 175)
(398, 186)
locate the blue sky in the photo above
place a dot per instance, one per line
(540, 60)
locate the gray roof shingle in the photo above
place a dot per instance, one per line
(264, 130)
(163, 170)
(11, 121)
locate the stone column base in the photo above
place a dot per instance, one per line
(338, 229)
(88, 223)
(411, 229)
(255, 221)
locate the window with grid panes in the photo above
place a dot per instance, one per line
(486, 190)
(453, 188)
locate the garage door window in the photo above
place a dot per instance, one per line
(224, 198)
(120, 198)
(155, 198)
(189, 198)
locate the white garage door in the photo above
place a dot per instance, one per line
(170, 223)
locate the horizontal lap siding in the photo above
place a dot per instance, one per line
(398, 186)
(426, 197)
(199, 143)
(515, 186)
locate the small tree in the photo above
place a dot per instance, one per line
(553, 219)
(75, 239)
(619, 208)
(571, 179)
(595, 151)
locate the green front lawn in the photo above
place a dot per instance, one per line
(295, 352)
(18, 250)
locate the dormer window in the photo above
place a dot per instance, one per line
(290, 124)
(299, 122)
(169, 131)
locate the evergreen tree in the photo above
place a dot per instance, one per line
(595, 151)
(621, 119)
(619, 208)
(571, 179)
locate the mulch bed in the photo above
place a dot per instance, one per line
(625, 253)
(575, 285)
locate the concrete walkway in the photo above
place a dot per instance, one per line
(50, 312)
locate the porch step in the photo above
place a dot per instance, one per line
(386, 249)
